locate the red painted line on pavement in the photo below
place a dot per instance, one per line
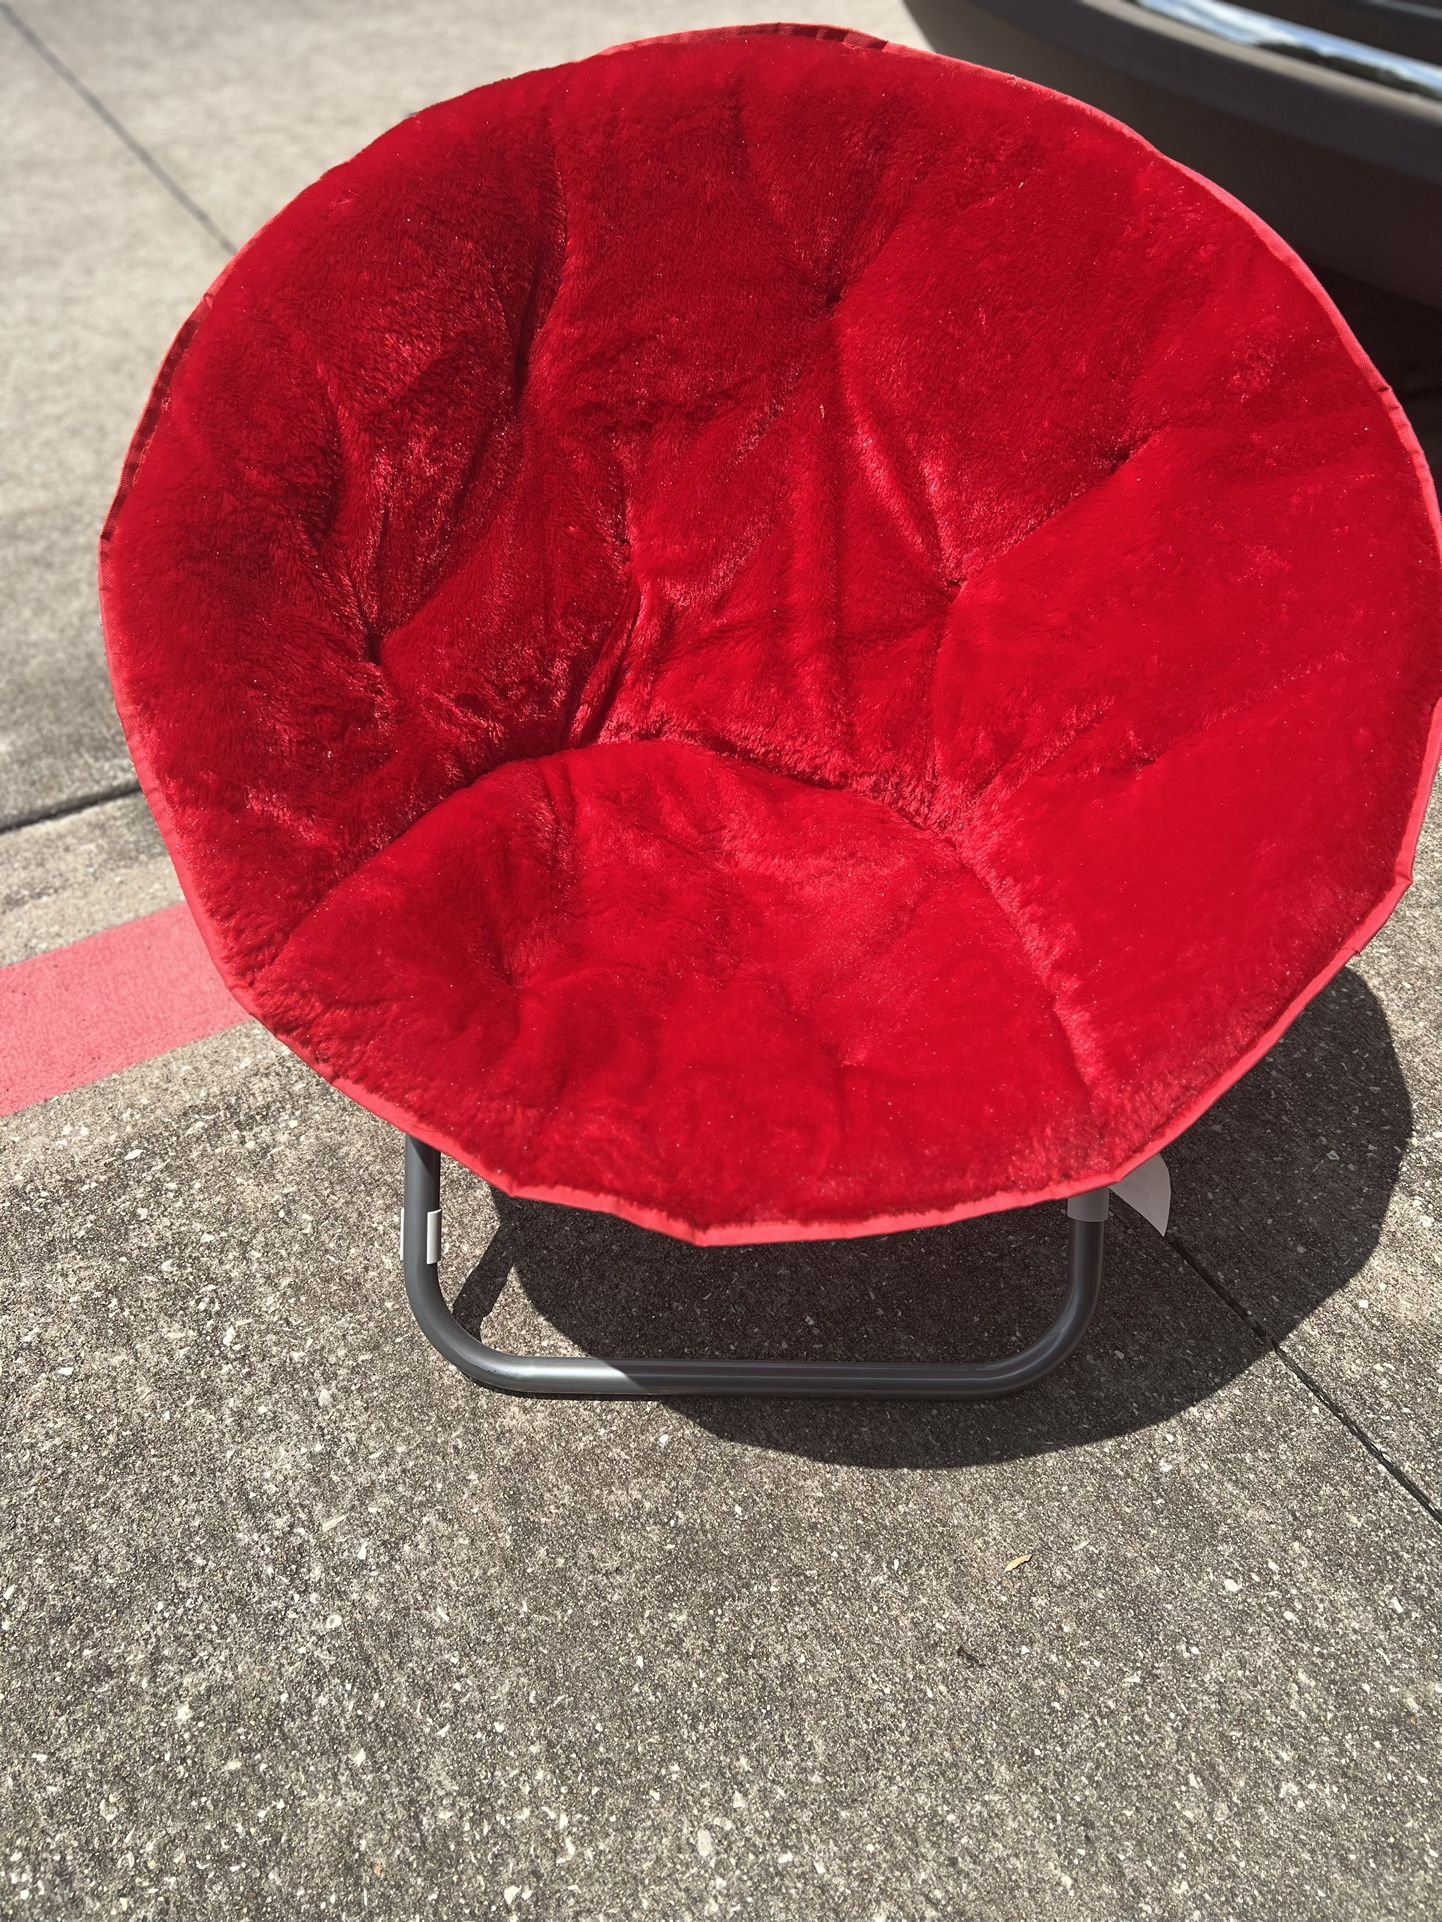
(78, 1014)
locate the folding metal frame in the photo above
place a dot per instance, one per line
(583, 1375)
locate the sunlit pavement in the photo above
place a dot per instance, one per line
(296, 1622)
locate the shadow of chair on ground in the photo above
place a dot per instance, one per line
(1279, 1196)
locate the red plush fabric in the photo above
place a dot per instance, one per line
(776, 635)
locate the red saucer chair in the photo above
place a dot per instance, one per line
(781, 637)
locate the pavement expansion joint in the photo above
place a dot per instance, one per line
(122, 133)
(62, 810)
(1310, 1383)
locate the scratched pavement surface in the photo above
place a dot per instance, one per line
(295, 1621)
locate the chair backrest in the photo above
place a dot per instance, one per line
(882, 420)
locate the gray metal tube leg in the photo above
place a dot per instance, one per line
(581, 1375)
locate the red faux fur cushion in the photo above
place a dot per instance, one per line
(776, 635)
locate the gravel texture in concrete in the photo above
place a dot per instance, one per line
(296, 1619)
(293, 1621)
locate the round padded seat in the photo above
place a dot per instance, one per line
(777, 635)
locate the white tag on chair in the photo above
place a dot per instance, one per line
(1148, 1189)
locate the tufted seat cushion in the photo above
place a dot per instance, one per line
(777, 635)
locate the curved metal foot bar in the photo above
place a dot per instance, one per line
(581, 1375)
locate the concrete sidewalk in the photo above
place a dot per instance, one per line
(296, 1622)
